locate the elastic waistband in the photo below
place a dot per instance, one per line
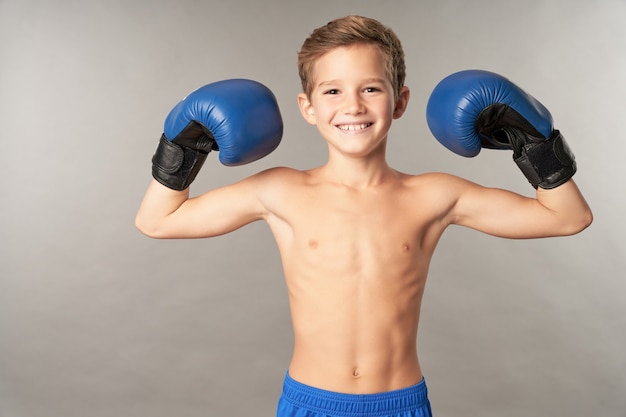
(339, 404)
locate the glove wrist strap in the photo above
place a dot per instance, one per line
(176, 166)
(546, 164)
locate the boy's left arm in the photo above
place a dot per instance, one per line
(475, 109)
(560, 211)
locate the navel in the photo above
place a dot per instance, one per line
(405, 247)
(356, 373)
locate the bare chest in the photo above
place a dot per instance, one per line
(355, 234)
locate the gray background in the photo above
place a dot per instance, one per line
(97, 320)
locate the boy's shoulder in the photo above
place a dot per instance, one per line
(436, 179)
(281, 174)
(438, 188)
(279, 178)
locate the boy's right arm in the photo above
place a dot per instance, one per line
(169, 214)
(241, 119)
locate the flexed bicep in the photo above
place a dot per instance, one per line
(557, 212)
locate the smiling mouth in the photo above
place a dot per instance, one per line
(354, 127)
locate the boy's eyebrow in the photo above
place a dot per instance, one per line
(364, 81)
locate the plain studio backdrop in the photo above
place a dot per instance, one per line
(97, 320)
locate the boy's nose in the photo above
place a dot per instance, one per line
(353, 104)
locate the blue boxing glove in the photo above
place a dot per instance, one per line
(239, 118)
(475, 109)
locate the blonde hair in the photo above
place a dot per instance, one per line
(347, 31)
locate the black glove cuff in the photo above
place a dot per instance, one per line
(176, 166)
(548, 163)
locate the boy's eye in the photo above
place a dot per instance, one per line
(331, 91)
(371, 89)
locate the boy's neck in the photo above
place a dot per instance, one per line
(357, 173)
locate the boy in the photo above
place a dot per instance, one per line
(355, 236)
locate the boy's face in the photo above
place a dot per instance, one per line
(352, 101)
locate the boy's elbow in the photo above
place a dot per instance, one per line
(582, 222)
(147, 228)
(586, 220)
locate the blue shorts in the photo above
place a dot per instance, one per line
(299, 400)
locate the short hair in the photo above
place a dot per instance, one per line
(348, 31)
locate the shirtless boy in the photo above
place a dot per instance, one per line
(355, 236)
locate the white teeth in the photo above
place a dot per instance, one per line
(354, 127)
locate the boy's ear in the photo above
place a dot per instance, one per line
(306, 109)
(402, 102)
